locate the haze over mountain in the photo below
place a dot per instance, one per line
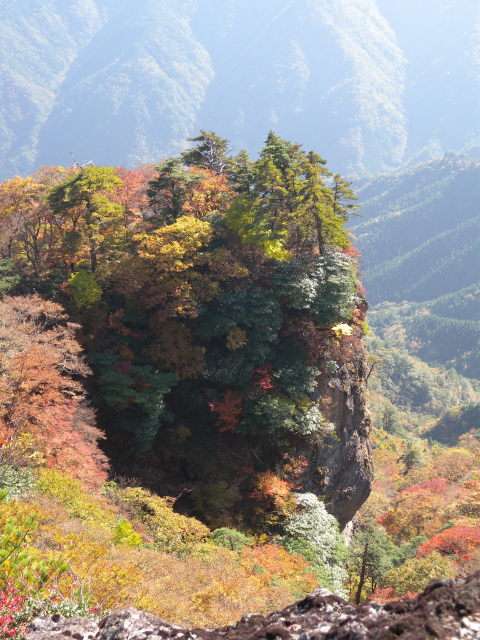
(370, 84)
(420, 241)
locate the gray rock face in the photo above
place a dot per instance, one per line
(446, 610)
(340, 468)
(59, 627)
(346, 466)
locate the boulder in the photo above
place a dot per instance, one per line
(446, 610)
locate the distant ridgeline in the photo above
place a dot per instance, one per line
(420, 241)
(396, 83)
(216, 296)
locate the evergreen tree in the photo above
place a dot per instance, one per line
(211, 152)
(169, 190)
(86, 211)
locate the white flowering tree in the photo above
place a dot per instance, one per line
(320, 529)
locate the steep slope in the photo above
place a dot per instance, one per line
(134, 92)
(370, 84)
(419, 234)
(38, 42)
(420, 241)
(329, 72)
(447, 608)
(440, 40)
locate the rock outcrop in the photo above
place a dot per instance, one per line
(446, 610)
(342, 473)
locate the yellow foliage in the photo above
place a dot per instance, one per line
(176, 245)
(341, 330)
(453, 464)
(236, 338)
(271, 565)
(203, 591)
(170, 531)
(77, 501)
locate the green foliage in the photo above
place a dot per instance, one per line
(454, 423)
(323, 285)
(230, 539)
(9, 276)
(171, 531)
(210, 153)
(414, 574)
(371, 554)
(215, 501)
(411, 385)
(16, 480)
(301, 547)
(428, 335)
(66, 607)
(19, 563)
(137, 392)
(84, 288)
(126, 534)
(390, 420)
(207, 337)
(169, 190)
(438, 259)
(411, 458)
(290, 205)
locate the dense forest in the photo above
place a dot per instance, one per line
(176, 344)
(419, 240)
(191, 317)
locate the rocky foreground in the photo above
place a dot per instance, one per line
(446, 609)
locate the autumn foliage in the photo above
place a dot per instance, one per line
(460, 542)
(41, 393)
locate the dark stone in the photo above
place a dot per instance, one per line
(446, 610)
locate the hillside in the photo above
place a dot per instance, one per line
(76, 73)
(420, 240)
(419, 231)
(182, 381)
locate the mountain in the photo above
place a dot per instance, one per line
(419, 234)
(420, 241)
(122, 81)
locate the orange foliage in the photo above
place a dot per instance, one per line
(459, 541)
(38, 395)
(211, 195)
(270, 564)
(274, 492)
(453, 464)
(389, 595)
(229, 410)
(132, 194)
(468, 501)
(208, 591)
(417, 511)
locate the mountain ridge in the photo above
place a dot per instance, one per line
(346, 76)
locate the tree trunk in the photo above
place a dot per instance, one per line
(358, 595)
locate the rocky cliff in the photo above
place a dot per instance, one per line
(340, 467)
(447, 609)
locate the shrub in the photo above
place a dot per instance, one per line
(126, 534)
(272, 565)
(230, 539)
(77, 501)
(171, 531)
(16, 481)
(320, 529)
(414, 574)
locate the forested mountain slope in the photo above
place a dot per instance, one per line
(419, 234)
(420, 241)
(125, 81)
